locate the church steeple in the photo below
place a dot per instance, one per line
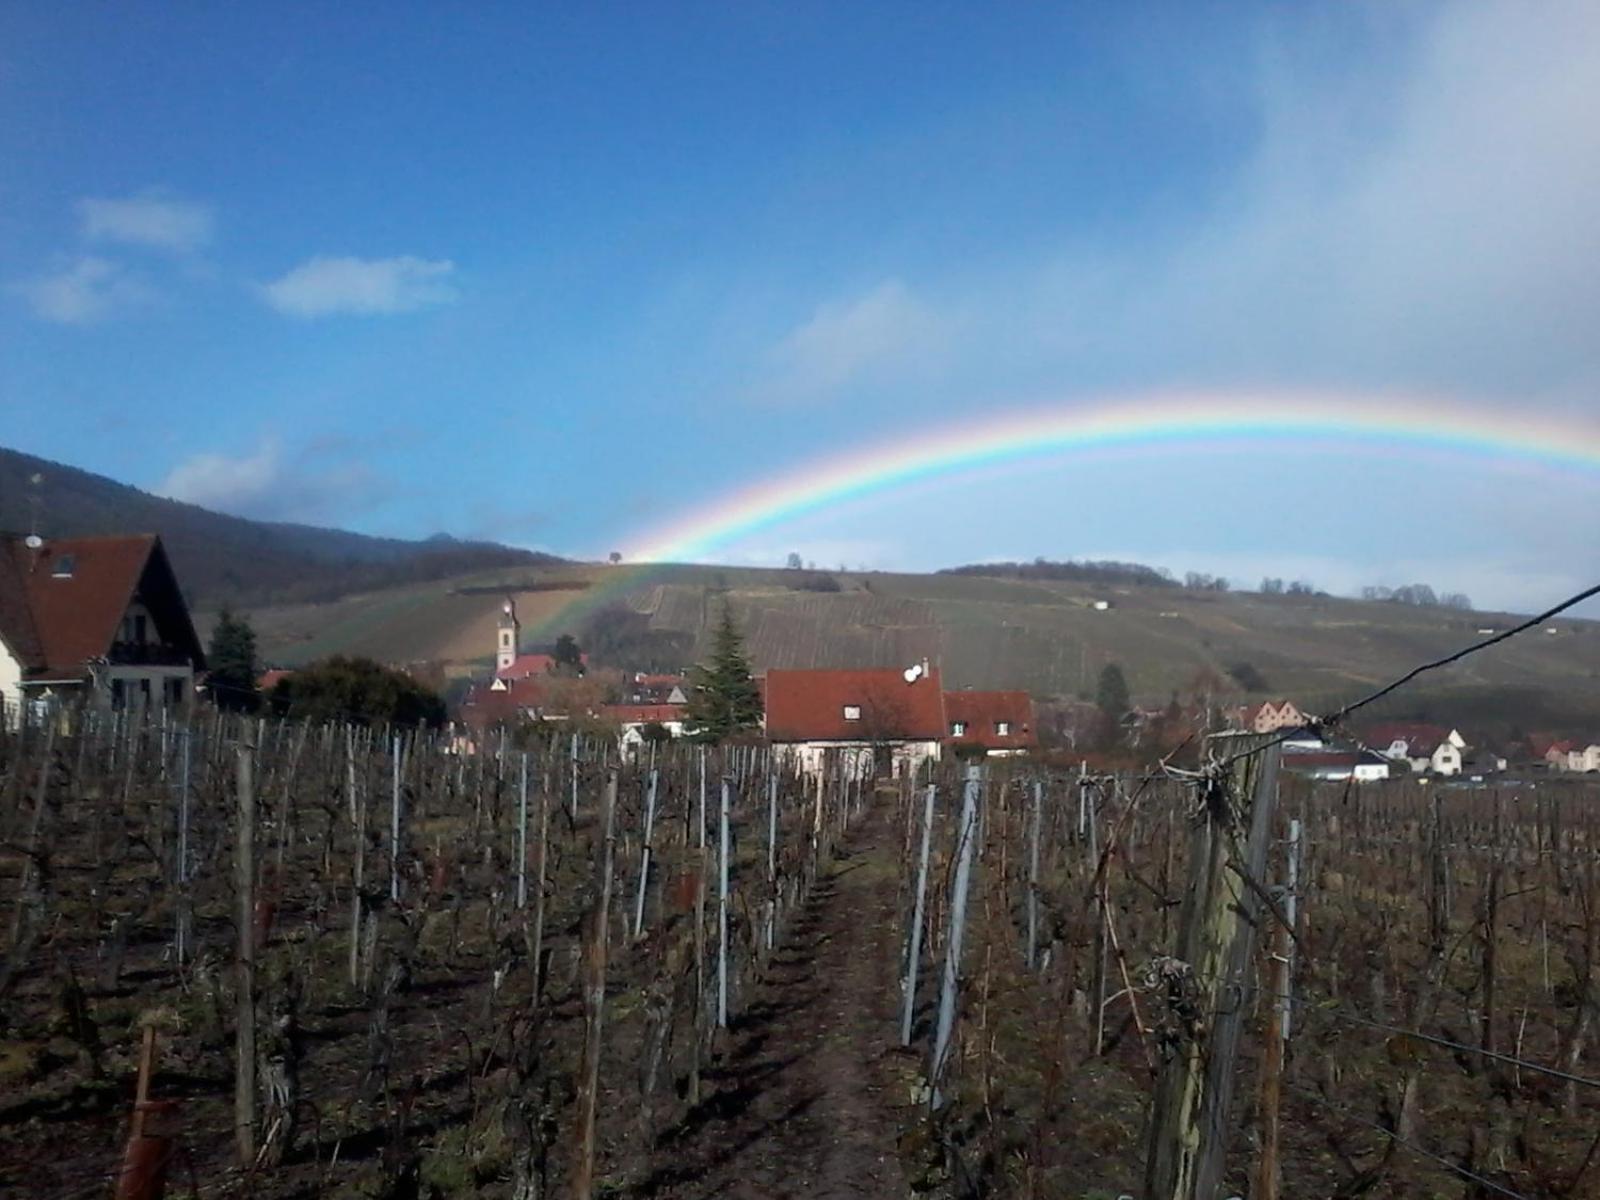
(510, 637)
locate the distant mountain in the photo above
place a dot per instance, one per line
(232, 560)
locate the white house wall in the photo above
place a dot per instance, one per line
(859, 758)
(10, 679)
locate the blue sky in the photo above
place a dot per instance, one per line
(546, 275)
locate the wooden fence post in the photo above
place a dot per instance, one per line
(1206, 980)
(594, 993)
(244, 1092)
(724, 850)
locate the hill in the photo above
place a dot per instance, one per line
(231, 560)
(1048, 636)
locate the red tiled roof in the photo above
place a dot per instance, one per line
(76, 615)
(271, 679)
(808, 706)
(980, 712)
(483, 705)
(525, 665)
(642, 714)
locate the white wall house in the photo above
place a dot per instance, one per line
(860, 723)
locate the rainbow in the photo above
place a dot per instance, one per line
(1392, 422)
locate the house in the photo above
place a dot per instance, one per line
(657, 689)
(271, 678)
(634, 719)
(1268, 716)
(505, 702)
(1573, 756)
(1330, 763)
(879, 720)
(1000, 723)
(1426, 748)
(101, 618)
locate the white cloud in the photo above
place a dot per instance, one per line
(324, 286)
(884, 331)
(147, 219)
(268, 484)
(84, 290)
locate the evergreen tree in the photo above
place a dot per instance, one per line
(568, 656)
(232, 660)
(1112, 696)
(723, 699)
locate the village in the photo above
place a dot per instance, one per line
(102, 620)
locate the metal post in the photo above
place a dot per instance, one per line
(1033, 873)
(702, 842)
(522, 835)
(574, 775)
(914, 954)
(394, 820)
(722, 911)
(944, 1032)
(644, 855)
(183, 851)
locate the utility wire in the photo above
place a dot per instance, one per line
(1321, 724)
(1423, 1151)
(1537, 1068)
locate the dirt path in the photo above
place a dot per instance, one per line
(802, 1104)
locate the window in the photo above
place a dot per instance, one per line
(65, 565)
(852, 712)
(1002, 728)
(116, 693)
(139, 624)
(958, 729)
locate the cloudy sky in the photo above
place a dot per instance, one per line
(559, 277)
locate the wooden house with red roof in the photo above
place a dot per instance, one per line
(998, 723)
(101, 618)
(878, 720)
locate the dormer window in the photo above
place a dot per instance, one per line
(1002, 728)
(852, 712)
(65, 565)
(958, 729)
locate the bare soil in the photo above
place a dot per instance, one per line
(805, 1100)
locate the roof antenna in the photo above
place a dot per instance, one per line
(33, 541)
(34, 481)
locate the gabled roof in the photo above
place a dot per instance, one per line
(62, 603)
(809, 706)
(1420, 740)
(981, 712)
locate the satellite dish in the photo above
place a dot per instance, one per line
(33, 541)
(912, 673)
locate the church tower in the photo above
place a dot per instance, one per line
(510, 634)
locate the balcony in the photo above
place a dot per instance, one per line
(146, 654)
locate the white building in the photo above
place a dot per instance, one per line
(863, 722)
